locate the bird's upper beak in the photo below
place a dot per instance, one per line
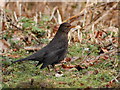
(72, 26)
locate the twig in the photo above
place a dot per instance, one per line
(111, 51)
(32, 48)
(54, 10)
(34, 37)
(20, 29)
(13, 24)
(99, 19)
(76, 17)
(73, 18)
(96, 58)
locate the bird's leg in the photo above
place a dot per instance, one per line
(48, 68)
(53, 66)
(38, 63)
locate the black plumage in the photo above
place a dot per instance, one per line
(55, 51)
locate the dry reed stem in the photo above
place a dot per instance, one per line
(87, 27)
(73, 18)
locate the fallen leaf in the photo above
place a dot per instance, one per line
(58, 75)
(104, 50)
(81, 84)
(67, 59)
(96, 72)
(14, 56)
(105, 57)
(62, 83)
(90, 72)
(78, 67)
(67, 66)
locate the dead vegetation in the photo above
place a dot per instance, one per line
(28, 25)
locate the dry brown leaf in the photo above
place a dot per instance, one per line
(62, 83)
(68, 59)
(14, 56)
(78, 67)
(67, 66)
(104, 50)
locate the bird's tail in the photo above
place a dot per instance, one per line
(20, 60)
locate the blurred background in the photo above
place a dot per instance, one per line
(93, 46)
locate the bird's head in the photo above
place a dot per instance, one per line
(65, 27)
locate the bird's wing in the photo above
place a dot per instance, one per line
(52, 57)
(38, 56)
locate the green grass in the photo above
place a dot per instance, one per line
(98, 75)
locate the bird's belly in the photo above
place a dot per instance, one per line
(60, 58)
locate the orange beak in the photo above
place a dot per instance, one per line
(72, 26)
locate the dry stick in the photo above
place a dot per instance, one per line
(115, 79)
(9, 20)
(96, 58)
(22, 30)
(34, 37)
(52, 15)
(111, 51)
(59, 17)
(78, 15)
(73, 18)
(15, 16)
(7, 17)
(99, 19)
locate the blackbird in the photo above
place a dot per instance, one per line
(55, 51)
